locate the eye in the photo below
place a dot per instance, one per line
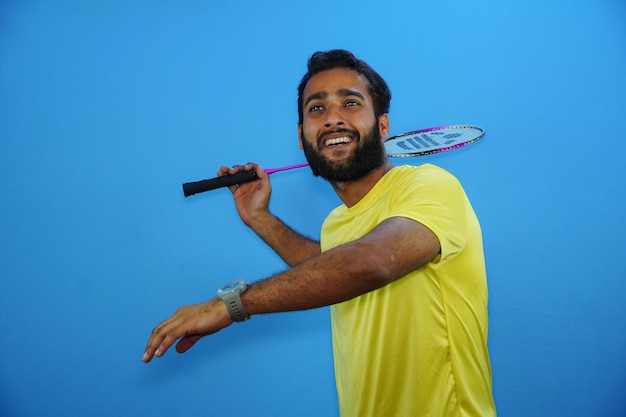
(315, 108)
(352, 103)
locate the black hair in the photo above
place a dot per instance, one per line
(339, 58)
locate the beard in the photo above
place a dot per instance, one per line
(368, 155)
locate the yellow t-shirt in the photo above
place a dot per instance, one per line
(418, 346)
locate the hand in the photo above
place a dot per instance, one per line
(191, 323)
(251, 198)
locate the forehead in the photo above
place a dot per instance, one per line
(332, 80)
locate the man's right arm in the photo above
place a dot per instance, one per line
(252, 202)
(290, 245)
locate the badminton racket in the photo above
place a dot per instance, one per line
(411, 144)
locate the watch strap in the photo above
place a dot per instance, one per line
(235, 307)
(230, 294)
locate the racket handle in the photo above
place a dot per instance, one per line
(191, 188)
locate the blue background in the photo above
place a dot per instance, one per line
(107, 107)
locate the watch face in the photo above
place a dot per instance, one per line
(231, 286)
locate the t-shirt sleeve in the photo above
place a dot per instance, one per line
(436, 199)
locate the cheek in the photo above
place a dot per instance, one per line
(361, 120)
(308, 133)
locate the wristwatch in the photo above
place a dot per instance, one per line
(230, 295)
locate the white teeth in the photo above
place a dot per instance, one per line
(336, 141)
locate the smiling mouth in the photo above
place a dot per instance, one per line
(337, 141)
(338, 137)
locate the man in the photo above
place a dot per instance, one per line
(400, 262)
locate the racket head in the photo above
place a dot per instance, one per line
(432, 140)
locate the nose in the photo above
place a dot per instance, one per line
(333, 118)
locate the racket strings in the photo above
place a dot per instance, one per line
(423, 142)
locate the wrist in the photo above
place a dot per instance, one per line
(225, 317)
(258, 219)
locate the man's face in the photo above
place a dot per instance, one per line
(340, 135)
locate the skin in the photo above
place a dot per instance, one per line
(337, 98)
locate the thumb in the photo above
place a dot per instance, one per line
(186, 343)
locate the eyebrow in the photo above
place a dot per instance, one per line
(343, 92)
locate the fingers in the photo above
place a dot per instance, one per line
(224, 170)
(190, 323)
(162, 337)
(166, 333)
(186, 343)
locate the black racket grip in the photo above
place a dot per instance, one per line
(191, 188)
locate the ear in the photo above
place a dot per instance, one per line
(383, 125)
(300, 136)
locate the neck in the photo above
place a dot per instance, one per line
(351, 192)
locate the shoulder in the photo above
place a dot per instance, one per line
(423, 170)
(426, 175)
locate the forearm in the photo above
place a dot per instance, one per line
(329, 278)
(389, 252)
(293, 247)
